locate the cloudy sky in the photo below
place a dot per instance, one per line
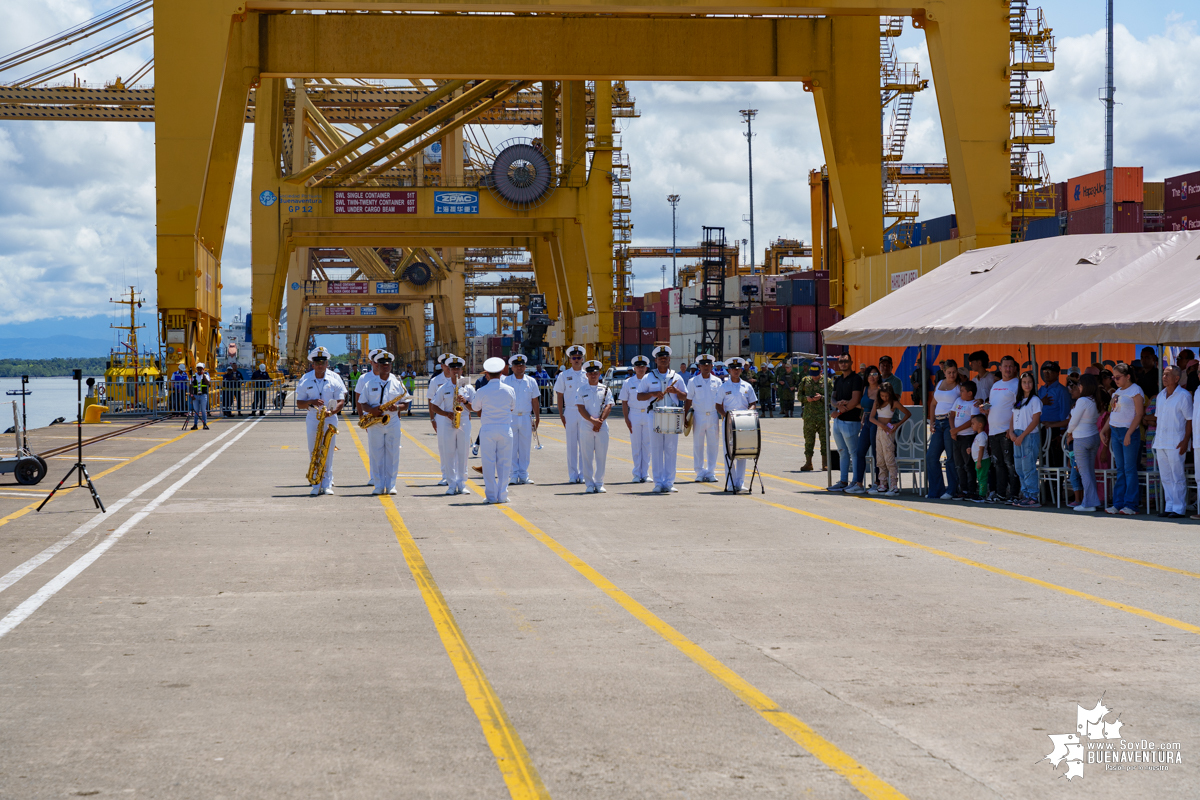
(77, 199)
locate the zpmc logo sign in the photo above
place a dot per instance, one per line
(456, 202)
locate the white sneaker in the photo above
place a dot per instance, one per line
(1110, 510)
(316, 490)
(873, 490)
(659, 490)
(671, 489)
(327, 491)
(528, 480)
(855, 488)
(947, 496)
(892, 492)
(390, 491)
(475, 450)
(448, 491)
(1085, 509)
(443, 482)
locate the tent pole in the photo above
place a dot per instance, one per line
(825, 399)
(1033, 366)
(925, 406)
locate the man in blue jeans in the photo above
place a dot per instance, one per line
(847, 422)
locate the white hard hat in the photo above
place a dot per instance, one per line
(493, 365)
(200, 365)
(262, 366)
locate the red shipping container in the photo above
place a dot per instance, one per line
(631, 319)
(827, 317)
(775, 319)
(1182, 191)
(823, 292)
(663, 334)
(1182, 219)
(819, 274)
(648, 335)
(1127, 218)
(756, 319)
(638, 303)
(632, 335)
(1087, 191)
(802, 319)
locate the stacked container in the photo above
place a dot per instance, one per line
(1085, 202)
(1181, 202)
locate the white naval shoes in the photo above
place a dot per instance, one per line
(327, 491)
(528, 480)
(316, 490)
(601, 490)
(452, 491)
(376, 491)
(659, 489)
(390, 491)
(671, 489)
(443, 482)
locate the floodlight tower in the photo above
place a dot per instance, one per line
(673, 199)
(1109, 90)
(749, 114)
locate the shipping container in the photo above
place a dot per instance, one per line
(673, 300)
(823, 292)
(831, 349)
(1127, 218)
(804, 292)
(756, 342)
(506, 341)
(937, 229)
(757, 315)
(662, 333)
(775, 342)
(647, 350)
(774, 319)
(827, 317)
(901, 236)
(1043, 228)
(637, 303)
(750, 287)
(819, 274)
(802, 319)
(1182, 219)
(1182, 191)
(631, 335)
(1153, 195)
(628, 351)
(648, 319)
(631, 319)
(1087, 191)
(802, 342)
(648, 335)
(493, 347)
(1152, 221)
(651, 298)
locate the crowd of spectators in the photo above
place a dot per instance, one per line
(993, 429)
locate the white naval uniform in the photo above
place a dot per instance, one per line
(431, 390)
(358, 391)
(526, 390)
(568, 383)
(454, 445)
(330, 389)
(495, 403)
(642, 426)
(593, 445)
(663, 446)
(383, 441)
(736, 397)
(705, 394)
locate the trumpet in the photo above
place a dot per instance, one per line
(320, 451)
(367, 421)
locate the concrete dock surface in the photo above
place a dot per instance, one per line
(220, 634)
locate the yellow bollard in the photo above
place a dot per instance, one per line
(91, 414)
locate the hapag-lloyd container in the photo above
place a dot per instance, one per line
(1087, 191)
(1182, 191)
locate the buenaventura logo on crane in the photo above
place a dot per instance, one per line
(1098, 740)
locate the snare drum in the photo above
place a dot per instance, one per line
(668, 420)
(742, 439)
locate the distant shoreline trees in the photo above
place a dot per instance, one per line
(50, 367)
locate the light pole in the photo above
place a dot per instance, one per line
(749, 114)
(1109, 90)
(673, 199)
(664, 272)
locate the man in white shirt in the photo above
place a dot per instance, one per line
(495, 402)
(1172, 433)
(566, 392)
(320, 388)
(453, 443)
(665, 388)
(637, 418)
(358, 409)
(978, 363)
(527, 413)
(435, 383)
(595, 404)
(383, 439)
(999, 410)
(703, 394)
(736, 395)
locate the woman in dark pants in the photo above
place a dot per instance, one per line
(939, 406)
(866, 438)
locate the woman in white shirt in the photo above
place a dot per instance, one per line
(1027, 440)
(1083, 434)
(940, 439)
(1123, 435)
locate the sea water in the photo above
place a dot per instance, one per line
(51, 398)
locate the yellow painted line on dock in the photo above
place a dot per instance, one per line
(861, 778)
(67, 489)
(516, 767)
(1141, 612)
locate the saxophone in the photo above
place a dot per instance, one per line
(458, 403)
(367, 421)
(320, 452)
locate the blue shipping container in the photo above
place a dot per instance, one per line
(756, 342)
(804, 293)
(938, 229)
(506, 341)
(649, 319)
(647, 350)
(903, 236)
(1043, 228)
(628, 351)
(775, 342)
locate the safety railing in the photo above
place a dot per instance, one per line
(165, 397)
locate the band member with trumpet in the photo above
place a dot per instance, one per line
(527, 413)
(495, 402)
(595, 404)
(736, 395)
(321, 388)
(384, 397)
(637, 418)
(665, 388)
(435, 383)
(566, 391)
(451, 407)
(703, 395)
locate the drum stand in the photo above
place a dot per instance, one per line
(749, 484)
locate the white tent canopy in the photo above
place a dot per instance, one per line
(1128, 287)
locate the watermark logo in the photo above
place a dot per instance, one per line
(267, 198)
(1098, 740)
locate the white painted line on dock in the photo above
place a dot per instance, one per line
(23, 494)
(62, 544)
(26, 609)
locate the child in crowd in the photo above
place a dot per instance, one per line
(887, 415)
(960, 425)
(979, 455)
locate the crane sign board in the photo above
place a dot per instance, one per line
(374, 202)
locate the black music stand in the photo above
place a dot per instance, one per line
(79, 469)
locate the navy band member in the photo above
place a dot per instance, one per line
(736, 395)
(594, 406)
(383, 441)
(665, 387)
(495, 402)
(321, 388)
(453, 443)
(703, 393)
(637, 418)
(566, 390)
(527, 413)
(435, 383)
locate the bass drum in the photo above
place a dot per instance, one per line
(742, 438)
(668, 420)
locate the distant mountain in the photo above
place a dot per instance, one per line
(55, 347)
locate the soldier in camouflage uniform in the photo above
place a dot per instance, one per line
(785, 388)
(765, 383)
(812, 410)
